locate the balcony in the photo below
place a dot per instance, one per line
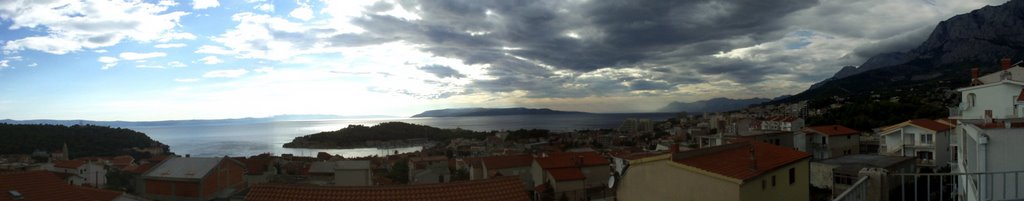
(955, 112)
(925, 162)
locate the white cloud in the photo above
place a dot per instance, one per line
(226, 73)
(176, 64)
(100, 51)
(265, 7)
(3, 63)
(169, 45)
(141, 56)
(264, 70)
(168, 3)
(70, 26)
(257, 36)
(204, 4)
(186, 79)
(209, 49)
(303, 12)
(148, 66)
(210, 60)
(33, 64)
(108, 62)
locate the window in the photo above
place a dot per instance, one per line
(792, 175)
(924, 155)
(970, 99)
(773, 180)
(926, 138)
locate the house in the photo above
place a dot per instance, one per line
(353, 173)
(839, 173)
(193, 178)
(569, 175)
(429, 170)
(782, 123)
(748, 170)
(79, 172)
(500, 188)
(258, 169)
(925, 139)
(46, 186)
(988, 131)
(511, 165)
(831, 141)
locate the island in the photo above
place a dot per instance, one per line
(469, 112)
(82, 140)
(398, 134)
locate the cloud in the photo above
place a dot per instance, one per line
(169, 45)
(176, 64)
(4, 63)
(210, 60)
(149, 66)
(442, 71)
(141, 56)
(61, 27)
(265, 7)
(108, 62)
(226, 73)
(204, 4)
(33, 64)
(303, 12)
(264, 70)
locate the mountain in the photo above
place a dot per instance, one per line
(943, 61)
(466, 112)
(712, 105)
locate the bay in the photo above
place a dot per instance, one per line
(247, 139)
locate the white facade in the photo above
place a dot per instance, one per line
(89, 173)
(931, 148)
(999, 99)
(989, 134)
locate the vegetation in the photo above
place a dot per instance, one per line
(357, 135)
(399, 172)
(527, 134)
(867, 115)
(82, 140)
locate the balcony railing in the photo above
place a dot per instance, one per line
(926, 162)
(955, 112)
(958, 186)
(857, 192)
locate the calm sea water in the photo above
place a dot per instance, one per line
(246, 139)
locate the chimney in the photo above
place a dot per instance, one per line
(1005, 63)
(974, 77)
(753, 158)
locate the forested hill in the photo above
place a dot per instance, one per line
(357, 135)
(82, 140)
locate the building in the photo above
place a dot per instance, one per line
(988, 131)
(353, 173)
(500, 188)
(79, 172)
(839, 173)
(46, 186)
(831, 141)
(781, 123)
(429, 170)
(927, 140)
(572, 175)
(748, 170)
(512, 166)
(193, 178)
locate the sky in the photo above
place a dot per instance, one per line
(208, 59)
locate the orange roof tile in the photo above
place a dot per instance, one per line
(123, 160)
(832, 130)
(502, 162)
(566, 174)
(70, 164)
(502, 188)
(37, 185)
(733, 160)
(931, 125)
(98, 194)
(568, 159)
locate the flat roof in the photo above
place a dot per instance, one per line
(184, 168)
(859, 161)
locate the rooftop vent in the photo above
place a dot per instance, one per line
(15, 195)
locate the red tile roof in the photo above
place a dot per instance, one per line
(931, 125)
(99, 194)
(733, 160)
(71, 164)
(1021, 96)
(502, 162)
(634, 156)
(124, 160)
(566, 174)
(568, 159)
(502, 188)
(40, 185)
(832, 130)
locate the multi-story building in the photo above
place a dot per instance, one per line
(570, 175)
(832, 141)
(927, 140)
(989, 132)
(748, 170)
(193, 178)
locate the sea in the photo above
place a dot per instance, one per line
(253, 138)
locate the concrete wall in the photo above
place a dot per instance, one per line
(573, 190)
(1005, 149)
(782, 190)
(821, 175)
(661, 180)
(998, 98)
(596, 175)
(838, 145)
(343, 177)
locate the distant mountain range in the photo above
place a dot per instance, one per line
(976, 39)
(290, 117)
(712, 105)
(467, 112)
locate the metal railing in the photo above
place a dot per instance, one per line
(957, 186)
(857, 192)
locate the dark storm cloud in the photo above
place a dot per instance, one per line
(515, 37)
(442, 71)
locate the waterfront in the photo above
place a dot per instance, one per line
(244, 139)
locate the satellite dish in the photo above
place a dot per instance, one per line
(611, 182)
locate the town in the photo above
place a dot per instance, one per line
(764, 152)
